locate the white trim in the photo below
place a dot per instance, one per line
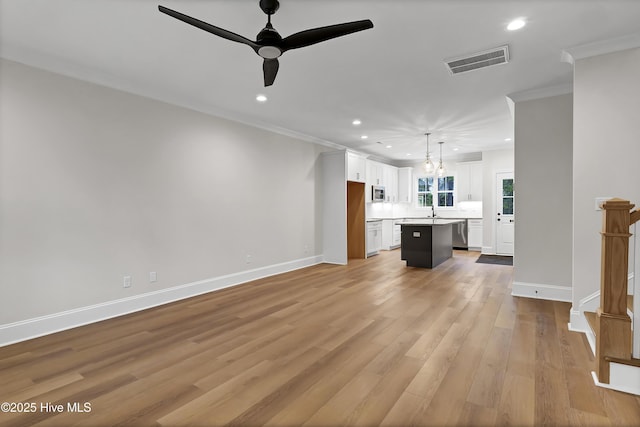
(622, 378)
(540, 291)
(577, 322)
(590, 302)
(32, 328)
(634, 289)
(545, 92)
(573, 54)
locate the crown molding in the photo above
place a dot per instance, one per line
(546, 92)
(602, 47)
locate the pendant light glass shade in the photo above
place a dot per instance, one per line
(429, 167)
(441, 170)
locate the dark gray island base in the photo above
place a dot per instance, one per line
(426, 243)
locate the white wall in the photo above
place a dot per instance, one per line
(606, 152)
(493, 162)
(334, 207)
(543, 182)
(96, 184)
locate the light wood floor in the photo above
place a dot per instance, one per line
(372, 343)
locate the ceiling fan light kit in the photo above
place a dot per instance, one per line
(269, 44)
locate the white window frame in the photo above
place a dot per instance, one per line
(434, 192)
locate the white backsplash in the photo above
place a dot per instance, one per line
(409, 210)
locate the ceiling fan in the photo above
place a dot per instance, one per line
(269, 44)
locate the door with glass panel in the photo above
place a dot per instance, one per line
(505, 218)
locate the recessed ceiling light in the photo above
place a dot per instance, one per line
(364, 137)
(516, 24)
(261, 98)
(507, 139)
(389, 146)
(456, 149)
(409, 154)
(356, 122)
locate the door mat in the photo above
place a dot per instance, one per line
(495, 259)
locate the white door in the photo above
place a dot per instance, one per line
(505, 218)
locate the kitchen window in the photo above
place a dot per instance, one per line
(445, 191)
(441, 191)
(425, 191)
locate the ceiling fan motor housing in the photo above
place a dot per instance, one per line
(269, 6)
(269, 40)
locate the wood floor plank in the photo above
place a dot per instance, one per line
(370, 343)
(377, 404)
(517, 402)
(489, 379)
(344, 402)
(475, 415)
(403, 411)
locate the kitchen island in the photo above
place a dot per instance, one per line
(426, 243)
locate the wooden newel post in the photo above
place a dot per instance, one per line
(613, 324)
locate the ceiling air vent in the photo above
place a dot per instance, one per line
(487, 58)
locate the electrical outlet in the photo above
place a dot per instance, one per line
(306, 249)
(248, 261)
(126, 283)
(153, 277)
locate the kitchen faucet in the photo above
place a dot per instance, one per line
(433, 212)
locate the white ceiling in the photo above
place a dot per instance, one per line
(392, 77)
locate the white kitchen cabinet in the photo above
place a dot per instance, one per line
(379, 174)
(374, 237)
(390, 181)
(469, 181)
(405, 185)
(373, 178)
(356, 167)
(475, 234)
(374, 173)
(397, 235)
(390, 234)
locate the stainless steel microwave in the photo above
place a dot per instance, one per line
(377, 193)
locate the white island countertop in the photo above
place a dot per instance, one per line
(429, 221)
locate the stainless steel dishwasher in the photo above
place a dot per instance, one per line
(459, 233)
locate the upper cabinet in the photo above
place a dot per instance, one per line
(405, 185)
(390, 180)
(356, 167)
(379, 174)
(375, 175)
(469, 185)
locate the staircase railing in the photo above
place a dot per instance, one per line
(613, 324)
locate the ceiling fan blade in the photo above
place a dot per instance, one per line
(270, 68)
(220, 32)
(317, 35)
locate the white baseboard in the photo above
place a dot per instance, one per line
(577, 322)
(622, 378)
(535, 290)
(32, 328)
(590, 302)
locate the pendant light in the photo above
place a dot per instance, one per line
(441, 170)
(429, 167)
